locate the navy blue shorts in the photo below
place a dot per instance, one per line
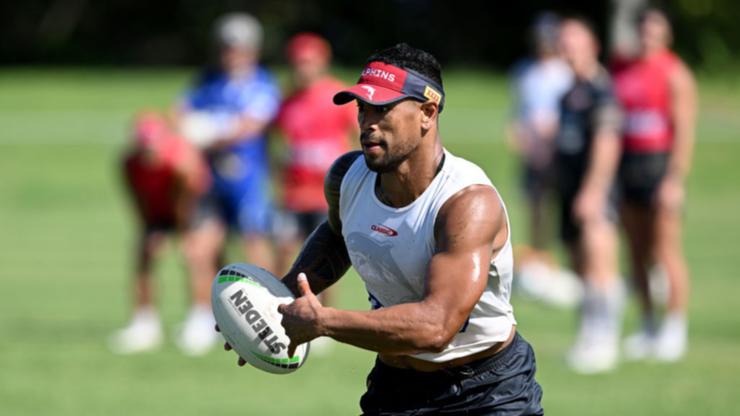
(640, 176)
(503, 384)
(242, 204)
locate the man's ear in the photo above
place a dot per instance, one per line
(429, 113)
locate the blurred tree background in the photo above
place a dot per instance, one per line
(176, 32)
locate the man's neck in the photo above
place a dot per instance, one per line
(402, 186)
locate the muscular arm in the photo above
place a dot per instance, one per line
(324, 258)
(470, 229)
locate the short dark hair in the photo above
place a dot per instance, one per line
(407, 57)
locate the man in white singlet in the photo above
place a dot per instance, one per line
(429, 235)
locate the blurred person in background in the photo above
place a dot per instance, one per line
(587, 154)
(658, 93)
(539, 83)
(227, 113)
(316, 133)
(164, 175)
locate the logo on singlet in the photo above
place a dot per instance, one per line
(390, 232)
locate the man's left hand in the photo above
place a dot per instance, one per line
(301, 317)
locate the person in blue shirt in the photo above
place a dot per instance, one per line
(227, 113)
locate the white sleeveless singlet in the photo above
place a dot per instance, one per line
(390, 248)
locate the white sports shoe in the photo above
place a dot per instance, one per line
(566, 289)
(596, 349)
(672, 340)
(639, 346)
(197, 335)
(542, 282)
(143, 333)
(593, 356)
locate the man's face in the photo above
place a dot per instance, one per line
(655, 32)
(308, 67)
(236, 59)
(577, 44)
(389, 134)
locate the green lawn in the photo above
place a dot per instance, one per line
(66, 234)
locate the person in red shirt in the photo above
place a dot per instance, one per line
(658, 93)
(316, 132)
(164, 175)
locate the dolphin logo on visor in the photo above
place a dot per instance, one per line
(370, 91)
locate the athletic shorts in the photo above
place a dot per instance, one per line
(503, 384)
(243, 208)
(569, 180)
(640, 176)
(165, 226)
(292, 225)
(537, 182)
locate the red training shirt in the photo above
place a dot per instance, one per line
(316, 132)
(153, 175)
(642, 87)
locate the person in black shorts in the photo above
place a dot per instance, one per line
(164, 176)
(587, 154)
(658, 93)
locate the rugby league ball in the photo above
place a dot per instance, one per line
(245, 301)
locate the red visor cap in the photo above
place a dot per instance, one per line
(382, 84)
(379, 84)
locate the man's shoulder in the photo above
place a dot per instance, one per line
(340, 167)
(333, 184)
(461, 169)
(602, 82)
(470, 174)
(483, 210)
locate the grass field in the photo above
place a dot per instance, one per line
(66, 234)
